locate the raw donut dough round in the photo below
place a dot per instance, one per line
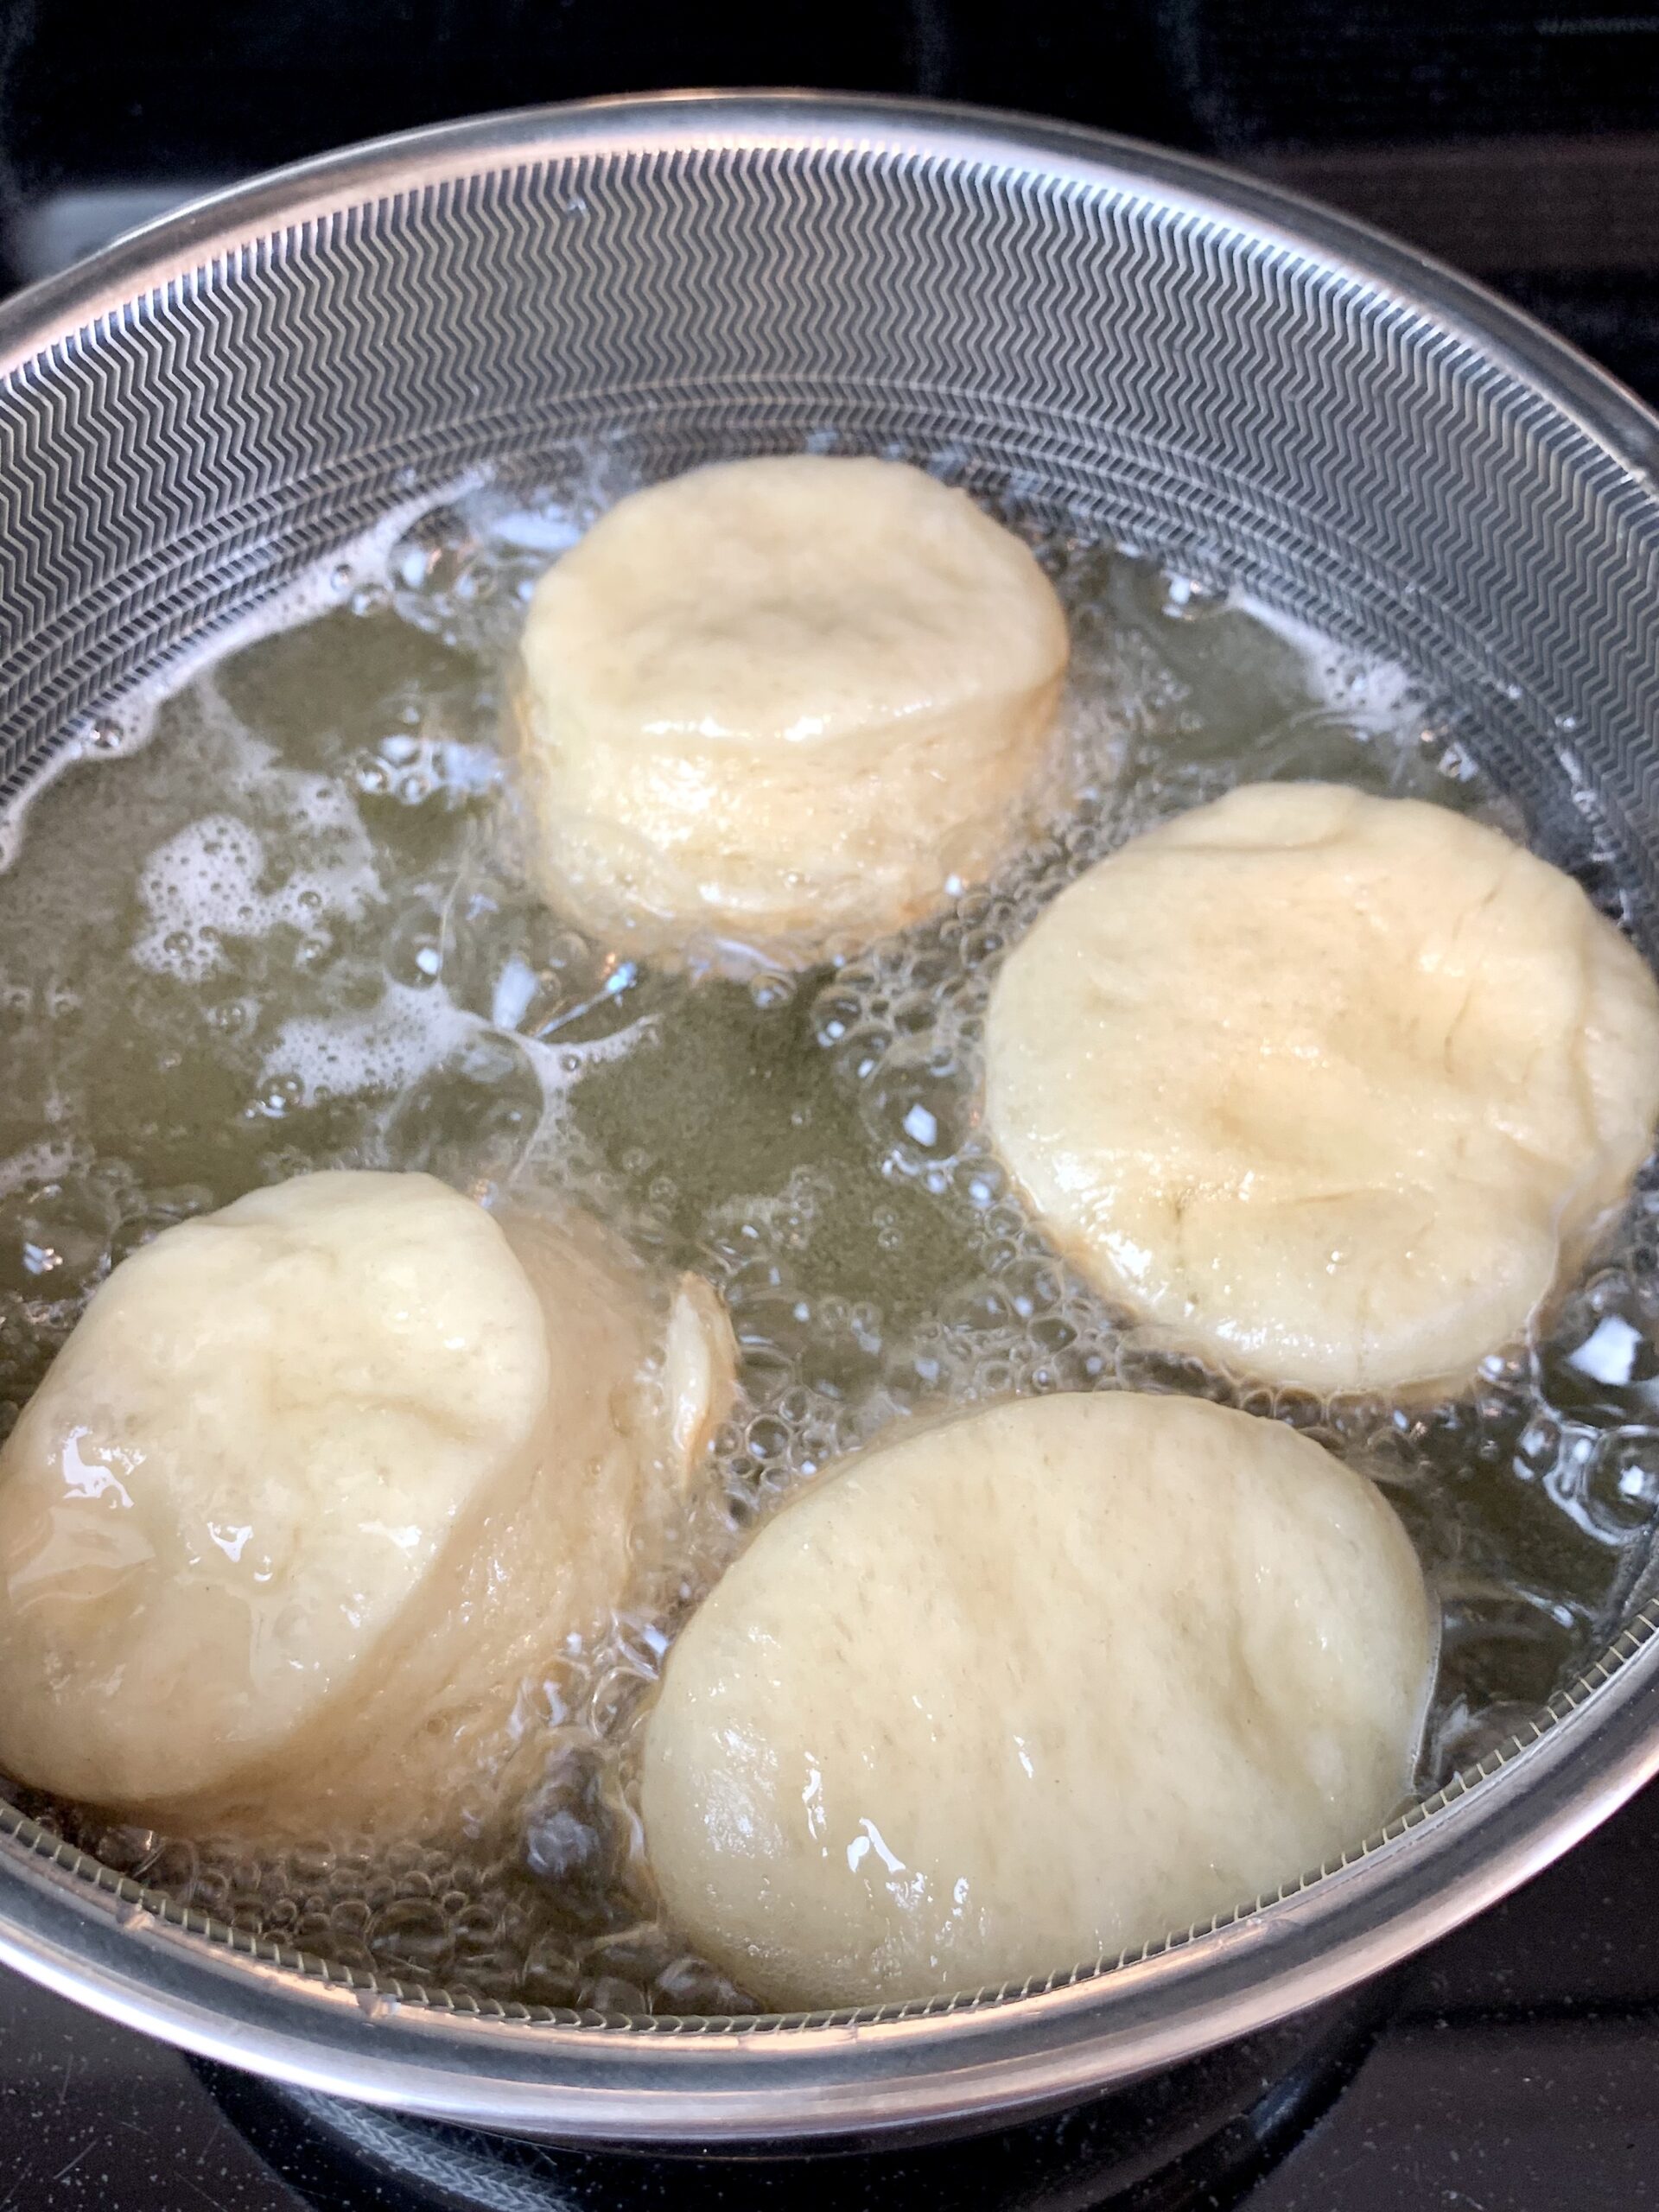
(783, 700)
(1331, 1087)
(313, 1485)
(1035, 1684)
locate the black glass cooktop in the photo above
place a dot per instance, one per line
(1515, 2067)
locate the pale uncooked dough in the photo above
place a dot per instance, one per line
(1035, 1684)
(699, 1369)
(315, 1484)
(785, 701)
(1332, 1088)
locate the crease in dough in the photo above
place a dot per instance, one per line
(317, 1483)
(1330, 1090)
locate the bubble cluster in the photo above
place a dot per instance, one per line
(288, 931)
(215, 881)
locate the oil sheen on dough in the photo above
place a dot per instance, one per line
(315, 1482)
(1028, 1686)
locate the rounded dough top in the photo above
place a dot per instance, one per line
(246, 1459)
(1331, 1087)
(791, 600)
(1034, 1685)
(783, 700)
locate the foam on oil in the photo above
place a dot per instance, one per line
(268, 920)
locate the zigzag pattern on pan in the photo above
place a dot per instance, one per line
(175, 461)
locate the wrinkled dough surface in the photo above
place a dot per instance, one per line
(785, 701)
(314, 1484)
(1331, 1087)
(1039, 1683)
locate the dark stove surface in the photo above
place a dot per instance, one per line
(1515, 2067)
